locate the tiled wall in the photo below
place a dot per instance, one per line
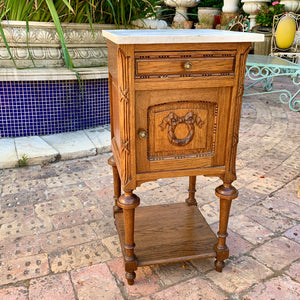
(48, 107)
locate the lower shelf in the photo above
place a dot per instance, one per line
(169, 233)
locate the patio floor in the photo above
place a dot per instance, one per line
(58, 239)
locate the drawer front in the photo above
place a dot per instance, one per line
(184, 64)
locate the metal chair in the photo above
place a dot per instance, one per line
(292, 52)
(239, 23)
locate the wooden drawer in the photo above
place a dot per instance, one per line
(184, 64)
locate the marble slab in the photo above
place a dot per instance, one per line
(176, 36)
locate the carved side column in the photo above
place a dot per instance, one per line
(129, 201)
(226, 193)
(117, 184)
(192, 190)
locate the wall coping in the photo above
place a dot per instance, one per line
(41, 74)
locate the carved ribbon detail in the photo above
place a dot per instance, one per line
(172, 120)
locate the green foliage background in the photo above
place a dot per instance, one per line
(120, 12)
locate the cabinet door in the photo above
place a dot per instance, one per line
(180, 129)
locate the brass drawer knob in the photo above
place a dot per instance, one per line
(188, 66)
(143, 134)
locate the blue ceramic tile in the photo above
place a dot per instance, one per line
(49, 107)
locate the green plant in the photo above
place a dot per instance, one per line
(23, 161)
(264, 15)
(18, 10)
(204, 20)
(120, 12)
(211, 3)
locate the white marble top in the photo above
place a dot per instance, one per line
(176, 36)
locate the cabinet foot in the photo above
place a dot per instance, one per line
(219, 265)
(222, 254)
(130, 276)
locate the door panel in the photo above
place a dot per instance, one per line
(181, 128)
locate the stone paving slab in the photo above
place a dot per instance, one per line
(64, 238)
(50, 148)
(58, 239)
(193, 289)
(58, 287)
(71, 145)
(15, 248)
(8, 157)
(95, 282)
(240, 275)
(14, 293)
(148, 284)
(100, 137)
(78, 256)
(277, 253)
(35, 149)
(281, 287)
(294, 271)
(24, 268)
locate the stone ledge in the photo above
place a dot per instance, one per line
(41, 44)
(46, 149)
(40, 74)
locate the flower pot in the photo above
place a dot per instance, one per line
(250, 6)
(291, 5)
(206, 16)
(230, 6)
(263, 48)
(181, 9)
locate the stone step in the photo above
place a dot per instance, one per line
(35, 150)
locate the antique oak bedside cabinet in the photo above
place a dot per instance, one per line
(175, 99)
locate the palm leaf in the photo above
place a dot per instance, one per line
(5, 41)
(54, 15)
(27, 42)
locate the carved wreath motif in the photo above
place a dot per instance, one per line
(172, 120)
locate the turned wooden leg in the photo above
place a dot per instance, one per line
(128, 202)
(192, 190)
(226, 193)
(117, 185)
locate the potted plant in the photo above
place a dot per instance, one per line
(207, 10)
(264, 20)
(264, 16)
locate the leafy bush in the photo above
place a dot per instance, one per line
(211, 3)
(120, 12)
(264, 15)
